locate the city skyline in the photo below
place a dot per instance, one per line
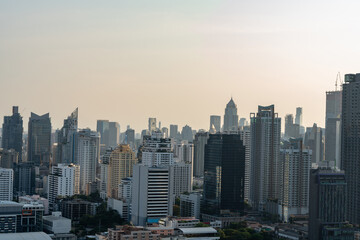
(88, 55)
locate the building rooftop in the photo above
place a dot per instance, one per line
(25, 236)
(198, 230)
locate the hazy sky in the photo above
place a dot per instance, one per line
(178, 61)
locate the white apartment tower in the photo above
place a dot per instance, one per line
(245, 137)
(157, 150)
(63, 180)
(295, 165)
(87, 156)
(6, 184)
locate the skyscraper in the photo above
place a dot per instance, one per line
(87, 156)
(130, 138)
(24, 179)
(231, 119)
(333, 127)
(121, 162)
(265, 149)
(39, 139)
(152, 125)
(6, 184)
(66, 138)
(173, 131)
(314, 140)
(350, 142)
(216, 122)
(295, 165)
(291, 130)
(151, 194)
(114, 134)
(199, 152)
(187, 134)
(299, 116)
(328, 190)
(12, 132)
(102, 127)
(224, 175)
(245, 137)
(157, 150)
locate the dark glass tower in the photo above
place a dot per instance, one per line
(350, 144)
(327, 201)
(39, 139)
(224, 175)
(12, 132)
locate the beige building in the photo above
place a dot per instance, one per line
(121, 163)
(131, 233)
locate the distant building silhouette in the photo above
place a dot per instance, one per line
(66, 139)
(231, 119)
(216, 122)
(12, 132)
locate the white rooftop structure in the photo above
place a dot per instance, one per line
(25, 236)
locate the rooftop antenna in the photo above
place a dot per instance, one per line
(338, 79)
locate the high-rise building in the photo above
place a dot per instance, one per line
(173, 131)
(180, 178)
(328, 190)
(231, 119)
(299, 116)
(245, 137)
(130, 138)
(216, 122)
(291, 130)
(243, 122)
(39, 139)
(165, 132)
(12, 132)
(187, 134)
(151, 194)
(114, 134)
(190, 205)
(8, 158)
(121, 162)
(63, 180)
(350, 142)
(157, 150)
(102, 127)
(295, 165)
(152, 125)
(24, 179)
(265, 149)
(6, 184)
(314, 140)
(184, 152)
(224, 175)
(66, 139)
(199, 152)
(87, 156)
(333, 127)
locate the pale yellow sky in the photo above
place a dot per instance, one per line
(178, 61)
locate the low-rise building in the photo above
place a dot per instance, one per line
(131, 233)
(55, 223)
(10, 217)
(75, 209)
(190, 205)
(36, 198)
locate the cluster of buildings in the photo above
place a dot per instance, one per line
(209, 175)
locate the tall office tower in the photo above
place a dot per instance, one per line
(299, 116)
(187, 134)
(265, 149)
(87, 156)
(66, 138)
(243, 122)
(130, 138)
(289, 122)
(63, 180)
(12, 132)
(314, 140)
(151, 194)
(224, 175)
(114, 134)
(173, 131)
(6, 184)
(216, 122)
(350, 142)
(104, 170)
(180, 178)
(165, 132)
(231, 119)
(157, 150)
(8, 158)
(184, 152)
(199, 152)
(121, 162)
(39, 139)
(333, 127)
(295, 165)
(102, 127)
(245, 137)
(328, 190)
(24, 179)
(152, 125)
